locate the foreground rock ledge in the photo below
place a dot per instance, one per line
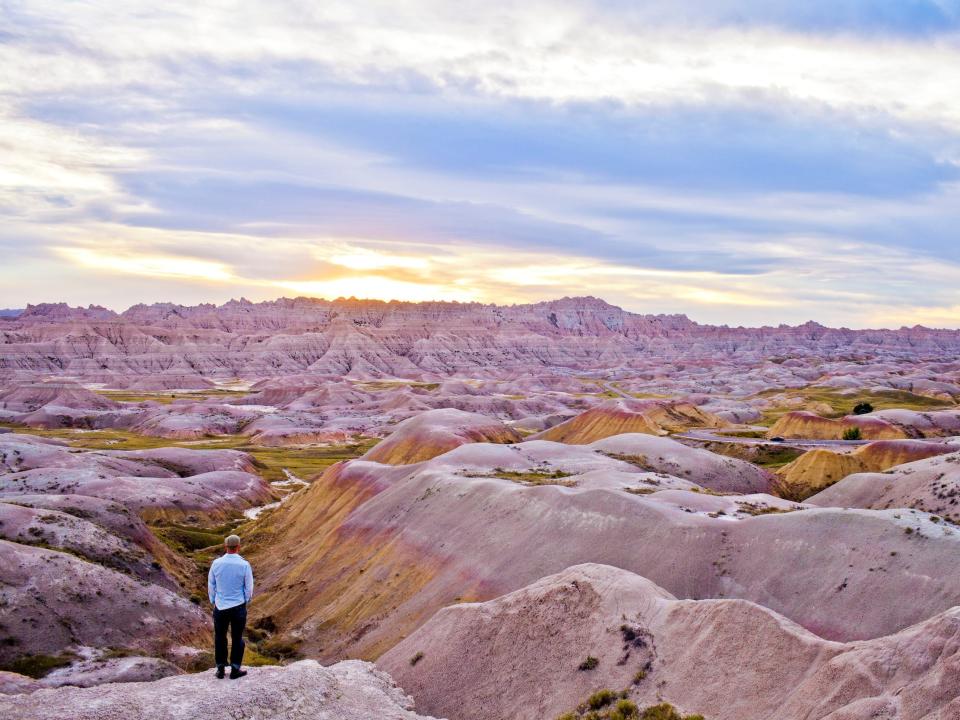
(351, 690)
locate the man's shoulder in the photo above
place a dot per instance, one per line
(231, 559)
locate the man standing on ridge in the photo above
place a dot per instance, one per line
(230, 586)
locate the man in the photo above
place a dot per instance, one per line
(230, 586)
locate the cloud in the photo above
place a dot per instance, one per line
(738, 160)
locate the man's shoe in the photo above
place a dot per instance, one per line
(220, 672)
(235, 673)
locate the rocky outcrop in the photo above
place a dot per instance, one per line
(706, 469)
(519, 657)
(302, 691)
(882, 425)
(820, 468)
(931, 485)
(50, 601)
(809, 425)
(617, 417)
(163, 483)
(363, 338)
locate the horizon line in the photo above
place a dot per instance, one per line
(352, 299)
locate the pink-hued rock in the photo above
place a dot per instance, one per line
(50, 601)
(305, 690)
(15, 684)
(171, 483)
(932, 485)
(805, 424)
(702, 467)
(30, 397)
(516, 657)
(88, 673)
(487, 519)
(364, 338)
(619, 417)
(77, 536)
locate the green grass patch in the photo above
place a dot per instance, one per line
(744, 434)
(185, 539)
(304, 462)
(769, 456)
(535, 477)
(753, 509)
(641, 490)
(639, 461)
(167, 397)
(37, 666)
(843, 404)
(376, 385)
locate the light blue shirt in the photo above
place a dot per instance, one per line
(230, 581)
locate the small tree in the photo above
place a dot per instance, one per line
(852, 433)
(862, 408)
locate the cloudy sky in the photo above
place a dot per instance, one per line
(742, 161)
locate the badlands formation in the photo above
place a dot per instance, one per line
(557, 510)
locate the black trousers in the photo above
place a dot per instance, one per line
(235, 619)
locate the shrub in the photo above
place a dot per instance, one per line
(666, 711)
(852, 433)
(862, 408)
(625, 710)
(601, 698)
(638, 678)
(663, 711)
(416, 658)
(255, 635)
(589, 664)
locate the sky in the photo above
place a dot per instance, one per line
(741, 161)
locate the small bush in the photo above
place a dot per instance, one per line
(666, 711)
(638, 678)
(862, 408)
(199, 662)
(601, 698)
(625, 710)
(852, 433)
(589, 664)
(254, 635)
(663, 711)
(416, 658)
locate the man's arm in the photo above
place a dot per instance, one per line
(248, 584)
(211, 585)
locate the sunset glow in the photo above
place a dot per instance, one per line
(804, 163)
